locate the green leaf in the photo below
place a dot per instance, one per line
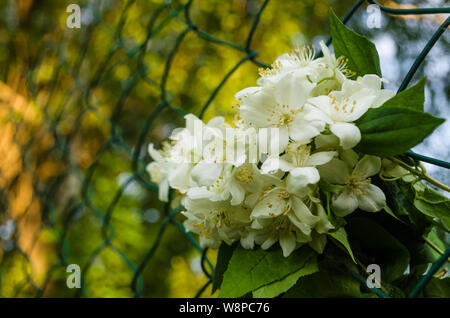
(379, 247)
(400, 199)
(412, 98)
(331, 281)
(434, 238)
(390, 131)
(442, 235)
(279, 287)
(251, 269)
(389, 211)
(341, 236)
(437, 288)
(431, 203)
(223, 258)
(361, 53)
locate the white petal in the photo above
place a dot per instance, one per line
(270, 207)
(303, 228)
(237, 193)
(268, 242)
(371, 81)
(300, 177)
(383, 96)
(206, 173)
(303, 213)
(293, 90)
(163, 190)
(154, 153)
(368, 165)
(301, 130)
(324, 225)
(216, 122)
(248, 240)
(287, 243)
(246, 92)
(199, 193)
(348, 134)
(329, 57)
(191, 122)
(252, 199)
(344, 203)
(280, 143)
(255, 116)
(372, 200)
(359, 103)
(259, 224)
(271, 165)
(322, 102)
(320, 158)
(256, 104)
(335, 171)
(179, 177)
(314, 114)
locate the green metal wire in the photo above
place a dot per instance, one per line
(429, 275)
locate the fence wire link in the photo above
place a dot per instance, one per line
(62, 146)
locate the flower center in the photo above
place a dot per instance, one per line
(305, 55)
(345, 106)
(281, 115)
(282, 224)
(217, 185)
(283, 195)
(358, 183)
(244, 175)
(270, 71)
(299, 154)
(203, 230)
(341, 65)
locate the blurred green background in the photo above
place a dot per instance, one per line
(76, 117)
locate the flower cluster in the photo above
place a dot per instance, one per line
(258, 180)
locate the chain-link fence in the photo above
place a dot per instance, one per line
(79, 108)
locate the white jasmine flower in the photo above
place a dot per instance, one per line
(247, 179)
(225, 145)
(373, 83)
(299, 161)
(279, 201)
(301, 62)
(159, 172)
(215, 221)
(342, 108)
(296, 127)
(280, 229)
(210, 181)
(282, 106)
(357, 190)
(218, 182)
(285, 217)
(172, 164)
